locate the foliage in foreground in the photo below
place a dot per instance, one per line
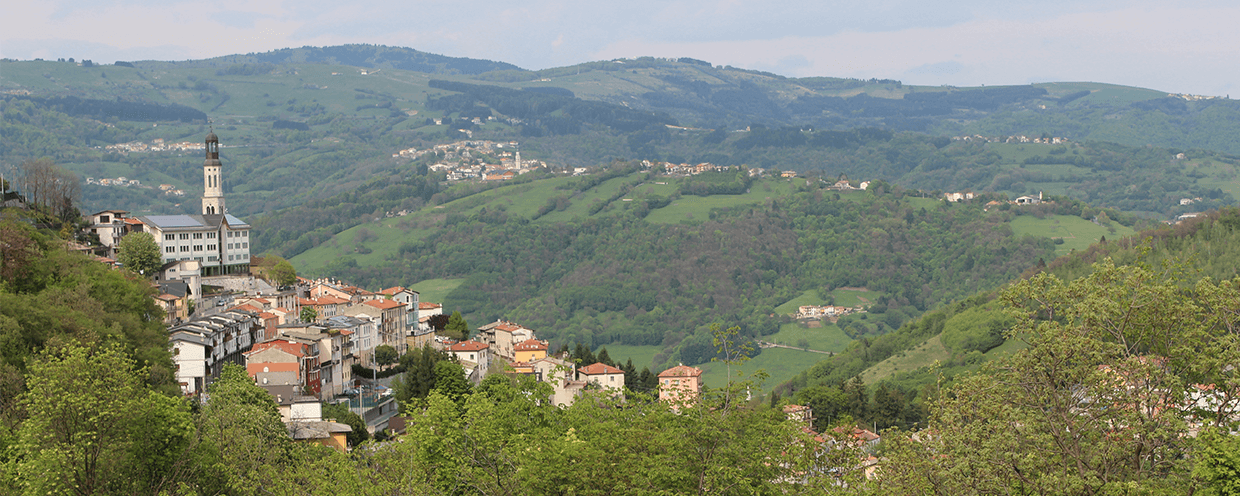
(1122, 370)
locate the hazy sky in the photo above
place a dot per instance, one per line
(1154, 44)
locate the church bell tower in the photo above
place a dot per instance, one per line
(212, 192)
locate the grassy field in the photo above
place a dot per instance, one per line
(809, 297)
(923, 355)
(829, 337)
(1077, 233)
(383, 239)
(781, 364)
(697, 208)
(435, 290)
(643, 356)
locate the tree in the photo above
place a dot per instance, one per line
(309, 314)
(438, 322)
(94, 429)
(457, 328)
(342, 414)
(242, 440)
(51, 187)
(284, 273)
(604, 358)
(139, 253)
(1119, 365)
(385, 355)
(450, 381)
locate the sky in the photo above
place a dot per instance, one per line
(1178, 47)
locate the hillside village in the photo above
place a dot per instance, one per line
(322, 341)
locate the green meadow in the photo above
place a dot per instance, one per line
(781, 364)
(1076, 233)
(435, 290)
(829, 337)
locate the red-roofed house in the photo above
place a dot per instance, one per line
(284, 363)
(391, 323)
(604, 375)
(426, 310)
(408, 298)
(680, 384)
(473, 355)
(503, 336)
(530, 350)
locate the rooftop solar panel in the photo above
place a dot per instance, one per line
(164, 221)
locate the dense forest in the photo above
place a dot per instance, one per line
(618, 278)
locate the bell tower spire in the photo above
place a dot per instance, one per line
(213, 191)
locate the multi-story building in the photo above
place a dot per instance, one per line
(216, 239)
(680, 385)
(201, 347)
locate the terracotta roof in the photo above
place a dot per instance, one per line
(681, 371)
(507, 327)
(166, 297)
(268, 315)
(246, 308)
(291, 348)
(395, 289)
(131, 220)
(383, 304)
(531, 345)
(260, 300)
(599, 369)
(331, 300)
(468, 346)
(422, 305)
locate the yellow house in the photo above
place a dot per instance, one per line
(530, 350)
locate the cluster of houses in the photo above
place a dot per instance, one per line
(816, 312)
(156, 145)
(124, 182)
(475, 159)
(977, 138)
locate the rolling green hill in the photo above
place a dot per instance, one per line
(927, 353)
(301, 125)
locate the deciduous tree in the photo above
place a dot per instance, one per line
(139, 253)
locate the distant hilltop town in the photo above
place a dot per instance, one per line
(156, 145)
(476, 159)
(1051, 140)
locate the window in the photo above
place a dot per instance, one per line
(197, 235)
(170, 249)
(245, 245)
(210, 235)
(210, 247)
(197, 247)
(230, 258)
(212, 258)
(245, 233)
(184, 248)
(229, 246)
(198, 259)
(230, 234)
(169, 237)
(184, 235)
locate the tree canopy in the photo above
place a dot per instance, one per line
(139, 253)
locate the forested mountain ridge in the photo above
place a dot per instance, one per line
(631, 257)
(297, 128)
